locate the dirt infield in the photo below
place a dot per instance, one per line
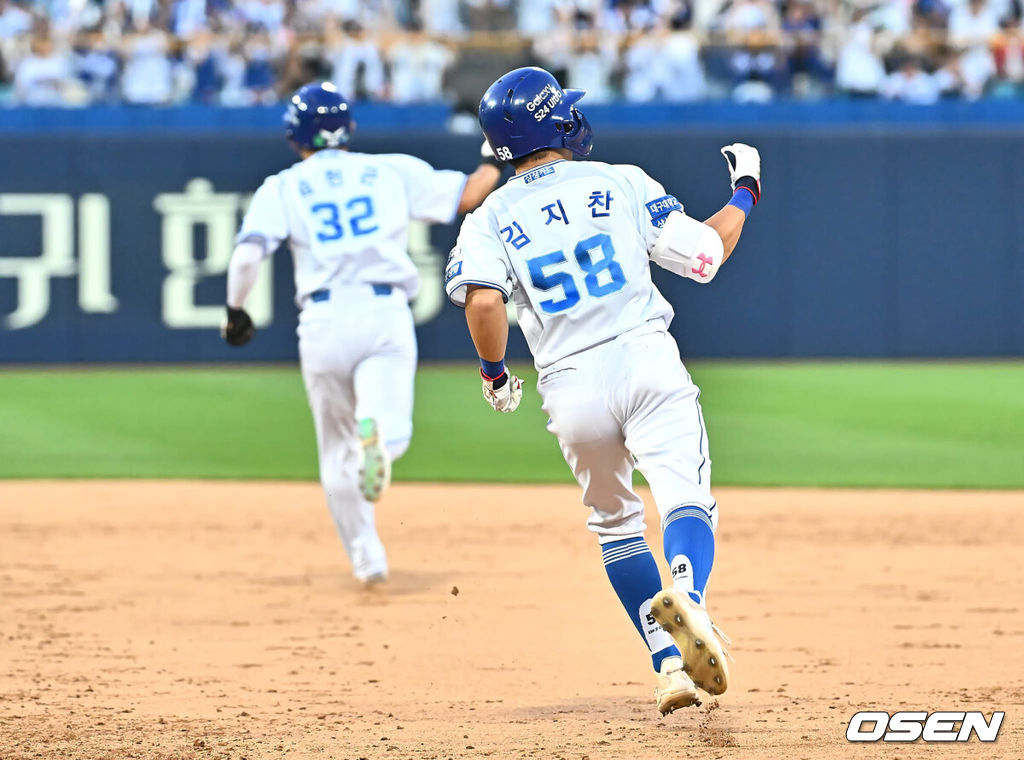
(196, 620)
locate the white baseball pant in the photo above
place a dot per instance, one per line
(627, 403)
(357, 351)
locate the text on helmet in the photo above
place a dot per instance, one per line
(544, 101)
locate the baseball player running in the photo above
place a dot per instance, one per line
(571, 244)
(345, 216)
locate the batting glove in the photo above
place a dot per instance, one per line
(503, 393)
(238, 329)
(744, 168)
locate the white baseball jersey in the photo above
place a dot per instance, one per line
(571, 243)
(346, 216)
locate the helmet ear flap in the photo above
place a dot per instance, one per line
(579, 136)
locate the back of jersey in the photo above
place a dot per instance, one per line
(346, 216)
(568, 242)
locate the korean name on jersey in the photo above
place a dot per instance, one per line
(346, 216)
(570, 243)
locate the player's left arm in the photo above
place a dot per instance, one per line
(488, 326)
(263, 229)
(243, 271)
(488, 322)
(478, 278)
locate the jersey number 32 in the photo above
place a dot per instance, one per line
(329, 215)
(592, 268)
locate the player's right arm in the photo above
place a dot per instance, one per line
(479, 279)
(695, 249)
(745, 175)
(263, 229)
(440, 195)
(481, 182)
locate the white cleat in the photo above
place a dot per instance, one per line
(375, 464)
(375, 579)
(369, 560)
(674, 689)
(698, 640)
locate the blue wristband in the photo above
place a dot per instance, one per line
(492, 370)
(743, 199)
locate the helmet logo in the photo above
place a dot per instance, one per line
(332, 139)
(545, 101)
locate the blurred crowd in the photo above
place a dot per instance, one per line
(244, 52)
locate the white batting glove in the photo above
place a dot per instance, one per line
(744, 168)
(503, 393)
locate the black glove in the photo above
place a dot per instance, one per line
(239, 329)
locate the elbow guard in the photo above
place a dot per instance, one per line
(689, 248)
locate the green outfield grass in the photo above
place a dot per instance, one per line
(832, 424)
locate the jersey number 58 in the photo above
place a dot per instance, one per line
(584, 253)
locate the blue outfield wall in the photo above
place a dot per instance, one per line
(200, 119)
(875, 239)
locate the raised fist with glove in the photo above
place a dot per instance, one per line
(504, 392)
(744, 168)
(238, 328)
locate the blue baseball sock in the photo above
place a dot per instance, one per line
(689, 545)
(634, 576)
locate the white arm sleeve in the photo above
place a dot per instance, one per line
(688, 248)
(478, 258)
(263, 228)
(265, 218)
(243, 270)
(433, 194)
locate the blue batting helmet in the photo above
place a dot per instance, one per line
(527, 110)
(318, 117)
